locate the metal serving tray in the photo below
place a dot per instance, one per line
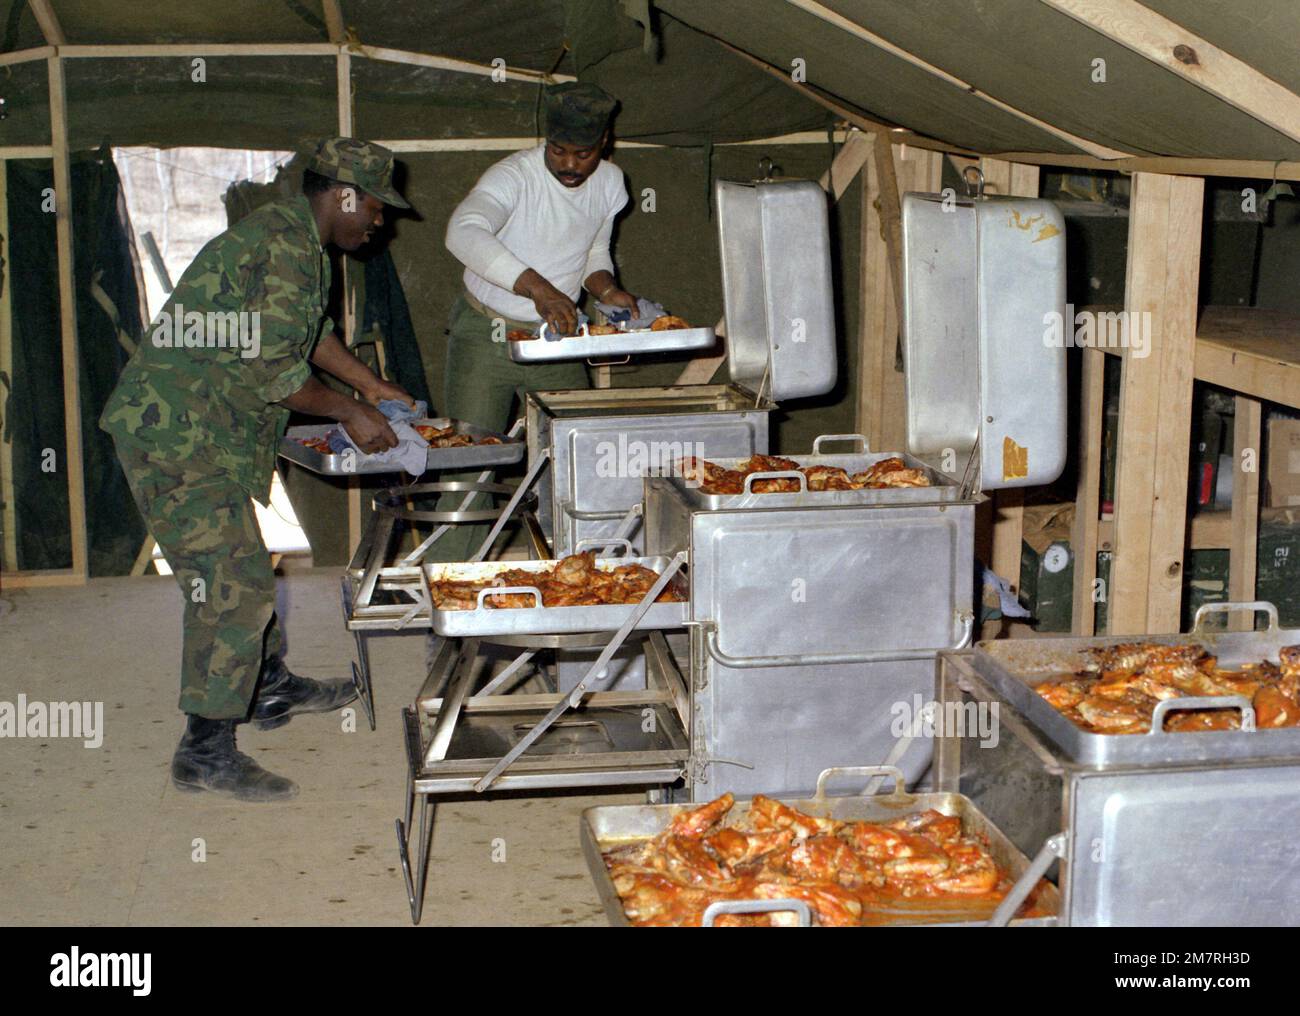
(614, 825)
(509, 451)
(586, 346)
(1012, 667)
(486, 621)
(941, 488)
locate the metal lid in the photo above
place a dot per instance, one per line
(983, 293)
(776, 287)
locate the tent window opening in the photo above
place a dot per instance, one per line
(175, 199)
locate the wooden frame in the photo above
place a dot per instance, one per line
(1192, 58)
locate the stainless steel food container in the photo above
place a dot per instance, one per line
(1205, 840)
(590, 347)
(510, 450)
(1012, 668)
(603, 828)
(811, 625)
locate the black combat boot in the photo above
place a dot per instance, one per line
(207, 759)
(283, 694)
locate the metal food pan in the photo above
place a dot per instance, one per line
(941, 489)
(609, 826)
(486, 621)
(1012, 667)
(511, 450)
(585, 346)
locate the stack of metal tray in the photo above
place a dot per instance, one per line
(585, 346)
(1012, 668)
(485, 620)
(604, 828)
(510, 450)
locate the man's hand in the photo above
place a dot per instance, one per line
(369, 429)
(556, 309)
(622, 298)
(379, 390)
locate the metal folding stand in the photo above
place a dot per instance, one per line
(495, 740)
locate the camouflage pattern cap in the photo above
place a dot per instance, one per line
(577, 112)
(363, 163)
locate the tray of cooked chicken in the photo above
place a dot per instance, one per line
(896, 859)
(778, 481)
(453, 444)
(668, 334)
(1177, 698)
(579, 593)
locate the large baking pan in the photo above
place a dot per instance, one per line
(941, 489)
(509, 451)
(485, 621)
(605, 827)
(585, 346)
(1012, 667)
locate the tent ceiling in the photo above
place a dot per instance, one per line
(1036, 62)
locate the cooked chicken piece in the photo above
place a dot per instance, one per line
(768, 464)
(827, 478)
(602, 330)
(668, 322)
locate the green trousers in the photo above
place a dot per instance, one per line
(482, 384)
(205, 525)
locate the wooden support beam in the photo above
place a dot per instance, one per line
(444, 63)
(844, 167)
(349, 322)
(1247, 433)
(518, 144)
(334, 25)
(49, 22)
(26, 152)
(22, 56)
(9, 508)
(1084, 540)
(41, 579)
(1191, 57)
(1164, 243)
(853, 28)
(73, 463)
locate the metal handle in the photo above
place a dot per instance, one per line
(1178, 705)
(604, 543)
(502, 590)
(586, 516)
(782, 474)
(609, 363)
(583, 333)
(860, 439)
(1231, 607)
(1053, 847)
(797, 907)
(826, 659)
(900, 788)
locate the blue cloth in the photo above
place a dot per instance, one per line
(412, 451)
(647, 312)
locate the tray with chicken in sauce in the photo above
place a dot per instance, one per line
(668, 334)
(579, 593)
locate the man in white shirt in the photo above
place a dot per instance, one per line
(533, 232)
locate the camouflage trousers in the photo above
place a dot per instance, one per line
(482, 383)
(205, 525)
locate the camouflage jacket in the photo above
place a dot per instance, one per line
(232, 340)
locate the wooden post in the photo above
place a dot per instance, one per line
(1008, 179)
(344, 75)
(73, 463)
(1087, 505)
(892, 171)
(9, 518)
(1164, 244)
(1247, 431)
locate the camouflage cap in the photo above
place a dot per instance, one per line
(577, 112)
(363, 163)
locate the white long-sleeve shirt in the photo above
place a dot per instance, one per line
(518, 216)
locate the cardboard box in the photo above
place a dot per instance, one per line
(1283, 478)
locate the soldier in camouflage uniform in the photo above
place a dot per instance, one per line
(197, 416)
